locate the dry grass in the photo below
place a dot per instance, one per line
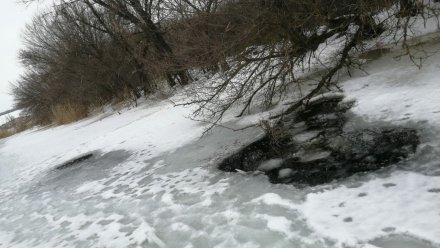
(6, 133)
(67, 113)
(16, 125)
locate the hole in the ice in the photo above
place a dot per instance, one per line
(74, 161)
(329, 152)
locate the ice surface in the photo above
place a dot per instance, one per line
(305, 136)
(151, 181)
(283, 173)
(270, 164)
(326, 96)
(315, 155)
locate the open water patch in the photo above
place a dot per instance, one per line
(314, 145)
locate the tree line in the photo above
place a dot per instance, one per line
(85, 53)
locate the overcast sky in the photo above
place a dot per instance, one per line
(13, 18)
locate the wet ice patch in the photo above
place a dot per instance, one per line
(75, 161)
(401, 241)
(435, 190)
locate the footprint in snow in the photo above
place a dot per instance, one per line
(389, 185)
(65, 223)
(362, 194)
(348, 219)
(389, 229)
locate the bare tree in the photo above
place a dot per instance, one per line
(281, 40)
(141, 15)
(72, 63)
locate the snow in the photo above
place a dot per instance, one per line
(402, 202)
(270, 164)
(278, 224)
(274, 199)
(283, 173)
(152, 181)
(314, 155)
(373, 209)
(415, 98)
(305, 136)
(326, 96)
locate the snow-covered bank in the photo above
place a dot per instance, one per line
(152, 183)
(404, 200)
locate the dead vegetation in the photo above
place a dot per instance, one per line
(67, 113)
(14, 125)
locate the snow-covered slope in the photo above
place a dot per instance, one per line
(151, 181)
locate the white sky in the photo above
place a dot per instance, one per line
(13, 18)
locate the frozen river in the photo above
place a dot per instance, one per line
(151, 182)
